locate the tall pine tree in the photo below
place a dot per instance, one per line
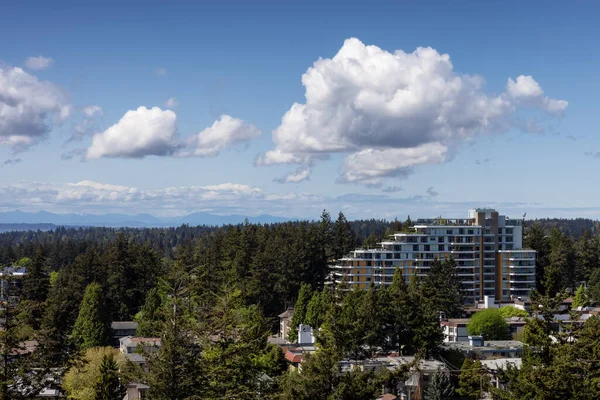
(109, 385)
(92, 327)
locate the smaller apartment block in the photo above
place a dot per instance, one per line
(486, 246)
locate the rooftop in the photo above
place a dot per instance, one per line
(124, 325)
(131, 341)
(487, 345)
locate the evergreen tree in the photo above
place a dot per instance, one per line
(560, 272)
(370, 320)
(315, 310)
(20, 376)
(472, 380)
(344, 238)
(586, 249)
(92, 327)
(175, 371)
(36, 282)
(397, 312)
(300, 308)
(109, 386)
(148, 318)
(581, 297)
(440, 387)
(594, 286)
(535, 238)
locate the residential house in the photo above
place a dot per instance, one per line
(285, 322)
(121, 329)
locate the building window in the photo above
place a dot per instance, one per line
(415, 247)
(441, 247)
(427, 248)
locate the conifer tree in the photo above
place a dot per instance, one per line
(300, 308)
(148, 318)
(440, 387)
(344, 238)
(472, 379)
(92, 327)
(109, 386)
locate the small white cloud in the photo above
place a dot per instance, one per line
(38, 63)
(527, 90)
(139, 133)
(524, 86)
(29, 108)
(171, 103)
(224, 132)
(161, 71)
(301, 174)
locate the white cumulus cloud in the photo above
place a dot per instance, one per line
(526, 89)
(38, 63)
(224, 132)
(366, 100)
(29, 108)
(139, 133)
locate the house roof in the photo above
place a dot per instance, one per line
(287, 313)
(501, 363)
(131, 341)
(455, 321)
(124, 325)
(135, 358)
(387, 396)
(293, 357)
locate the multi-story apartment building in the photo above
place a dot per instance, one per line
(487, 248)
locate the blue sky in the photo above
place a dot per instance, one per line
(516, 149)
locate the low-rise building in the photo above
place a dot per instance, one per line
(476, 347)
(121, 329)
(285, 322)
(132, 347)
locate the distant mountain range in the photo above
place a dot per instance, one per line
(19, 219)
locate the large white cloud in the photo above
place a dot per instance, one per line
(29, 108)
(224, 132)
(139, 133)
(39, 62)
(367, 99)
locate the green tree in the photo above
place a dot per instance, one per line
(586, 249)
(488, 323)
(440, 387)
(81, 380)
(535, 238)
(108, 385)
(344, 238)
(581, 297)
(316, 308)
(443, 287)
(92, 327)
(175, 371)
(560, 272)
(472, 380)
(300, 308)
(511, 311)
(397, 310)
(148, 318)
(594, 286)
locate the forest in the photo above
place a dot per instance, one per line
(212, 295)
